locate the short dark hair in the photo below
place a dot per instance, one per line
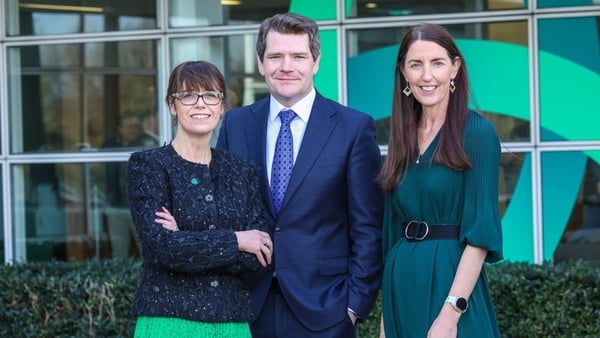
(193, 75)
(289, 23)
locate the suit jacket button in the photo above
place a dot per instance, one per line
(277, 229)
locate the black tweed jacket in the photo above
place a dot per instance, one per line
(196, 273)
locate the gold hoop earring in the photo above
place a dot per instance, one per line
(407, 91)
(452, 86)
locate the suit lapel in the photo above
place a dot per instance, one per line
(318, 130)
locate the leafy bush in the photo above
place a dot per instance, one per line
(58, 299)
(93, 299)
(561, 300)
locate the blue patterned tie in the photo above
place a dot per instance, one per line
(283, 159)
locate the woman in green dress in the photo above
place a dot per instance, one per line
(441, 220)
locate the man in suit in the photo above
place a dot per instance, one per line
(327, 231)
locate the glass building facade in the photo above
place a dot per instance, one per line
(80, 77)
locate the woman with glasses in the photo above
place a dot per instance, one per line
(199, 220)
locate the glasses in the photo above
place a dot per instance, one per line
(190, 99)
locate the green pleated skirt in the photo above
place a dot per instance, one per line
(157, 327)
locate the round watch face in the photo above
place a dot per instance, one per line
(461, 303)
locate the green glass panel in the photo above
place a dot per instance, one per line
(326, 80)
(560, 188)
(315, 9)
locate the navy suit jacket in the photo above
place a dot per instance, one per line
(327, 237)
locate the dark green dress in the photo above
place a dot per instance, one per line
(418, 275)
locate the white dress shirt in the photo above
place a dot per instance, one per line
(302, 108)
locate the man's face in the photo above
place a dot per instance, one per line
(130, 129)
(288, 67)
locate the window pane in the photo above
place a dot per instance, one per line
(511, 129)
(71, 211)
(564, 57)
(516, 205)
(486, 48)
(190, 13)
(186, 13)
(565, 3)
(368, 8)
(2, 256)
(579, 234)
(71, 97)
(511, 165)
(40, 17)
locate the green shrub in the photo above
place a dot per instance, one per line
(93, 299)
(561, 300)
(77, 299)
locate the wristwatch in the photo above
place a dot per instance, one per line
(459, 304)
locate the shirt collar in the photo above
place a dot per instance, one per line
(302, 108)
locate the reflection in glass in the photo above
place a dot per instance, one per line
(510, 129)
(510, 170)
(62, 212)
(131, 133)
(581, 238)
(368, 8)
(40, 18)
(565, 3)
(569, 48)
(364, 40)
(69, 97)
(382, 129)
(589, 225)
(192, 13)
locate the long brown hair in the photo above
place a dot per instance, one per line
(407, 113)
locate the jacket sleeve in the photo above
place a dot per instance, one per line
(256, 220)
(365, 212)
(179, 251)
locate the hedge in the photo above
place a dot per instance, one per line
(93, 298)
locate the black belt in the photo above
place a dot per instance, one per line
(420, 231)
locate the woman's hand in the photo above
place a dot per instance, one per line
(165, 219)
(252, 241)
(446, 323)
(256, 242)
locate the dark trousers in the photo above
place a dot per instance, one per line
(276, 320)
